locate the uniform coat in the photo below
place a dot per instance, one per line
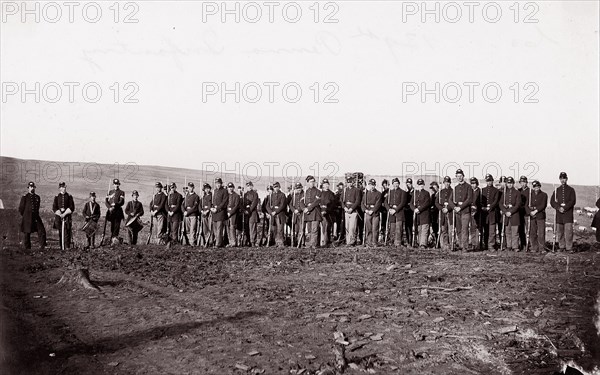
(116, 201)
(422, 201)
(174, 203)
(511, 202)
(397, 200)
(566, 195)
(29, 208)
(312, 202)
(62, 202)
(250, 203)
(490, 199)
(220, 199)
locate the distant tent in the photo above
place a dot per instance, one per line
(1, 205)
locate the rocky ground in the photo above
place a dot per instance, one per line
(296, 311)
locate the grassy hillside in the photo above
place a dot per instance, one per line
(81, 178)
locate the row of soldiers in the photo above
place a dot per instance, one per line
(464, 217)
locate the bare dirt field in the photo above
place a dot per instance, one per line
(295, 311)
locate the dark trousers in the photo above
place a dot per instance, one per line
(396, 229)
(132, 235)
(231, 230)
(384, 223)
(462, 228)
(372, 229)
(115, 227)
(175, 228)
(312, 227)
(408, 225)
(218, 228)
(41, 232)
(522, 234)
(67, 235)
(250, 231)
(326, 230)
(537, 234)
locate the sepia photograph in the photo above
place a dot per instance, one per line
(304, 187)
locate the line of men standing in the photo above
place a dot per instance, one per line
(463, 217)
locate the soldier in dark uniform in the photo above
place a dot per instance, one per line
(434, 213)
(490, 198)
(219, 211)
(339, 232)
(501, 189)
(328, 203)
(371, 206)
(408, 213)
(396, 201)
(563, 200)
(525, 192)
(295, 208)
(311, 211)
(276, 209)
(420, 203)
(158, 210)
(351, 198)
(535, 209)
(385, 189)
(174, 205)
(206, 214)
(191, 211)
(461, 204)
(233, 207)
(511, 202)
(443, 203)
(475, 230)
(115, 200)
(29, 208)
(596, 222)
(91, 215)
(266, 217)
(134, 210)
(63, 208)
(250, 203)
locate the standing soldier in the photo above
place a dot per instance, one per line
(158, 210)
(191, 211)
(220, 198)
(536, 210)
(525, 192)
(233, 207)
(339, 231)
(501, 190)
(250, 203)
(63, 208)
(396, 201)
(350, 201)
(371, 205)
(443, 203)
(311, 211)
(511, 202)
(205, 204)
(420, 204)
(434, 213)
(328, 202)
(295, 206)
(385, 189)
(276, 209)
(29, 208)
(115, 200)
(408, 213)
(91, 214)
(563, 200)
(463, 196)
(490, 198)
(134, 210)
(174, 204)
(475, 230)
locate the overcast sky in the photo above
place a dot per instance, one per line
(370, 61)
